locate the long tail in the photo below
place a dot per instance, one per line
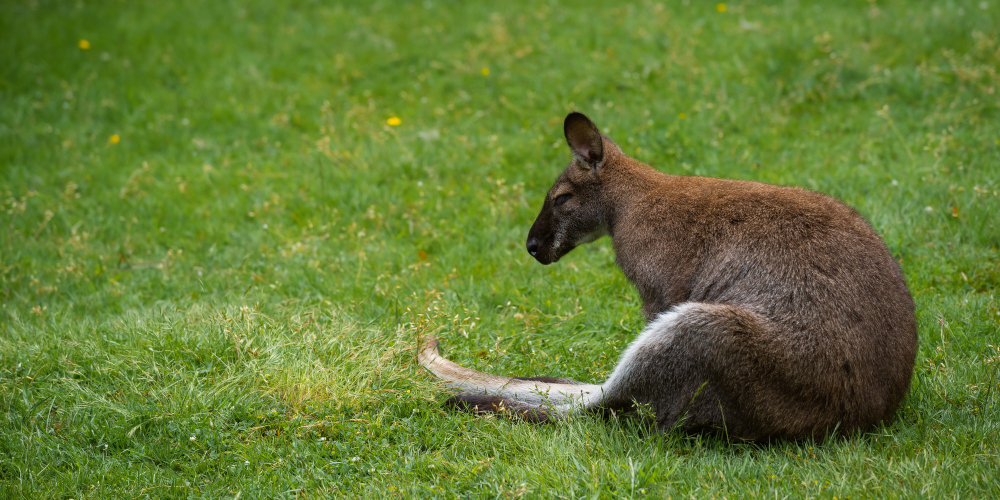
(534, 399)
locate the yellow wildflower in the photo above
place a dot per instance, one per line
(84, 45)
(394, 121)
(114, 139)
(721, 7)
(486, 71)
(681, 116)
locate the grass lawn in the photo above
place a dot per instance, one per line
(225, 226)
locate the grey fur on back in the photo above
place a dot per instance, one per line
(775, 312)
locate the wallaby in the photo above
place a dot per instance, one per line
(773, 312)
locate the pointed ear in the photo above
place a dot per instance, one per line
(584, 138)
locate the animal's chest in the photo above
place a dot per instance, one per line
(659, 254)
(660, 278)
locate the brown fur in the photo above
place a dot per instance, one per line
(787, 317)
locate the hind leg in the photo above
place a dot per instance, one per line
(502, 406)
(714, 366)
(661, 372)
(700, 366)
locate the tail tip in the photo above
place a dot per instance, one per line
(428, 350)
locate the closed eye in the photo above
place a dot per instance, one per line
(562, 199)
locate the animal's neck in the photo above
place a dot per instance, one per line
(638, 198)
(625, 191)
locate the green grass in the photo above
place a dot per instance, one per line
(226, 301)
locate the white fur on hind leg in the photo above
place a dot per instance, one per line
(657, 334)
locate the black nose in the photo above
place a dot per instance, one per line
(532, 246)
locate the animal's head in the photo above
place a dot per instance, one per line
(575, 209)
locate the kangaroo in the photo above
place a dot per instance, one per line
(773, 312)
